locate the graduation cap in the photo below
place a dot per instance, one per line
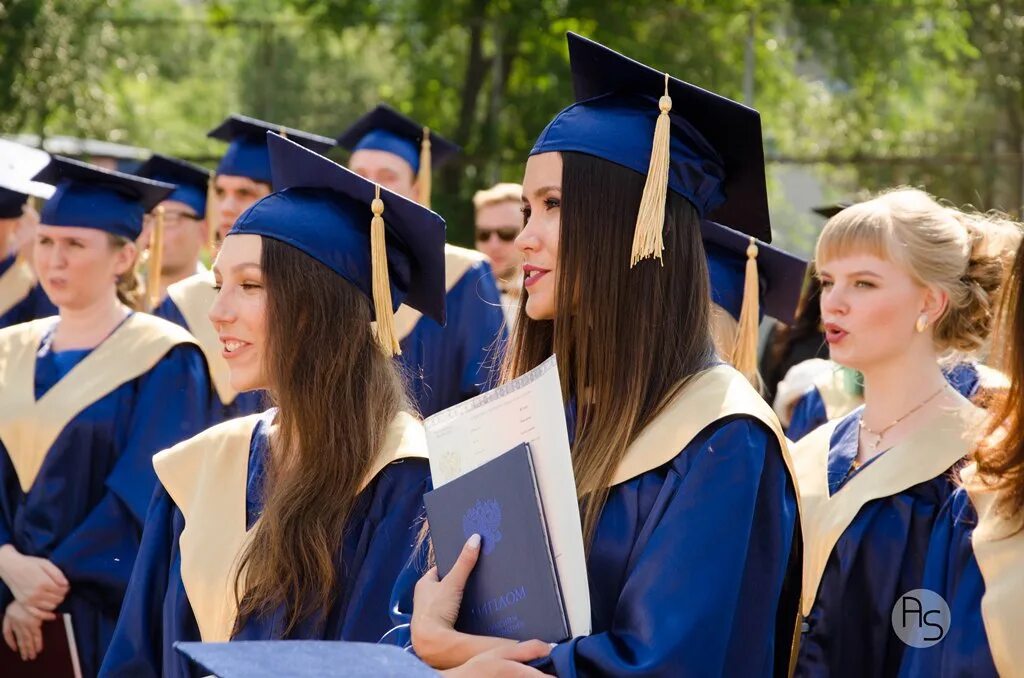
(190, 181)
(18, 164)
(829, 211)
(325, 210)
(303, 658)
(247, 154)
(92, 197)
(695, 143)
(749, 278)
(385, 129)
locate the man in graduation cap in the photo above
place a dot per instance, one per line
(242, 177)
(180, 220)
(21, 297)
(448, 364)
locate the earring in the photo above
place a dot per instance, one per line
(922, 323)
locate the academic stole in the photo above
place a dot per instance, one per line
(29, 427)
(15, 284)
(998, 544)
(194, 296)
(456, 262)
(715, 394)
(928, 452)
(206, 478)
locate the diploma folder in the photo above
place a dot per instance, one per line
(513, 591)
(59, 658)
(304, 659)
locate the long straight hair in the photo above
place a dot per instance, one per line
(1000, 453)
(337, 393)
(626, 339)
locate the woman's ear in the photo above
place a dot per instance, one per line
(124, 258)
(934, 303)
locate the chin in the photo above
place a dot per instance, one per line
(537, 309)
(243, 381)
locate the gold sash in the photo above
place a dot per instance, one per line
(194, 297)
(837, 400)
(457, 261)
(206, 479)
(1001, 561)
(29, 427)
(926, 453)
(15, 284)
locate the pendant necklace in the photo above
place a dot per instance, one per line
(885, 429)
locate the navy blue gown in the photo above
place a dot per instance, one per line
(86, 508)
(446, 365)
(687, 568)
(382, 530)
(35, 305)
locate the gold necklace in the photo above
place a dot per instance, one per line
(885, 429)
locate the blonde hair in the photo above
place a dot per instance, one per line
(497, 194)
(937, 245)
(130, 289)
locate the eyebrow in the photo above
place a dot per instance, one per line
(238, 267)
(865, 272)
(544, 189)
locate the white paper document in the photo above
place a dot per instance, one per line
(526, 410)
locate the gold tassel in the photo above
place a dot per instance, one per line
(381, 283)
(156, 258)
(424, 178)
(283, 132)
(745, 351)
(650, 221)
(211, 217)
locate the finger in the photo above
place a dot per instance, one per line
(55, 574)
(430, 576)
(9, 636)
(38, 636)
(39, 613)
(527, 651)
(463, 566)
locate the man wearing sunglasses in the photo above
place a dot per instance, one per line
(499, 220)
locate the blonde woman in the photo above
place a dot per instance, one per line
(904, 280)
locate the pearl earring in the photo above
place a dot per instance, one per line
(922, 323)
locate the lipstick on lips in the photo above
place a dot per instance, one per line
(532, 274)
(834, 333)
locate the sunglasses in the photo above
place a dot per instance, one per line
(506, 234)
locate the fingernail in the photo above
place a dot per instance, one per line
(473, 542)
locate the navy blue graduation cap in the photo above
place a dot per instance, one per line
(11, 203)
(18, 164)
(829, 211)
(93, 197)
(385, 129)
(304, 658)
(705, 147)
(247, 154)
(325, 210)
(190, 181)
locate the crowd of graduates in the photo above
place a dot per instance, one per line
(237, 453)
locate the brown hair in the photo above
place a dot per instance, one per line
(130, 289)
(626, 339)
(937, 245)
(337, 392)
(1000, 453)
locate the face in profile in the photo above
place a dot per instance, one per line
(79, 267)
(234, 195)
(497, 226)
(538, 241)
(239, 312)
(869, 307)
(386, 169)
(184, 237)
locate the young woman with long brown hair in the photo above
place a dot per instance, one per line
(86, 399)
(689, 511)
(905, 280)
(976, 551)
(293, 523)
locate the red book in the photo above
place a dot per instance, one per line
(59, 658)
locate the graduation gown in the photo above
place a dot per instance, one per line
(21, 296)
(446, 365)
(828, 400)
(865, 537)
(208, 501)
(975, 559)
(77, 433)
(187, 305)
(690, 557)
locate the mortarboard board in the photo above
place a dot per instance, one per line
(385, 129)
(302, 658)
(190, 180)
(247, 154)
(18, 164)
(92, 197)
(829, 211)
(325, 210)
